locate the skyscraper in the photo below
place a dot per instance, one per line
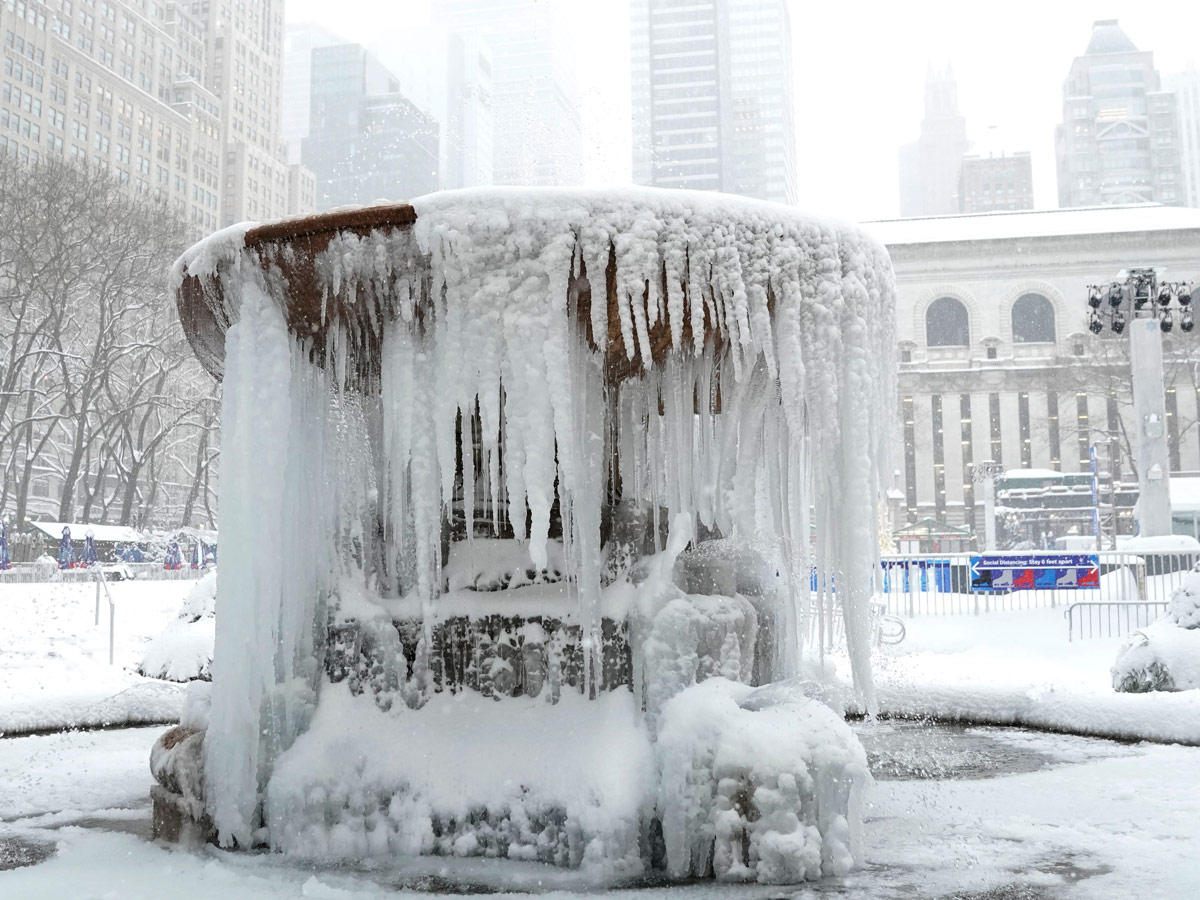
(1186, 87)
(712, 96)
(537, 138)
(1119, 138)
(299, 41)
(448, 75)
(930, 168)
(243, 48)
(179, 101)
(366, 140)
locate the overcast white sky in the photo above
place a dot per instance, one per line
(860, 72)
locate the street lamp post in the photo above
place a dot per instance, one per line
(1154, 306)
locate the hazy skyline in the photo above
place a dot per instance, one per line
(860, 76)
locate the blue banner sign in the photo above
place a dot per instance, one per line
(1035, 572)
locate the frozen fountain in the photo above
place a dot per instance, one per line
(525, 495)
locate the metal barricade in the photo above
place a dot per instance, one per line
(944, 584)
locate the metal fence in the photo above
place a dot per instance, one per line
(41, 573)
(945, 584)
(1099, 619)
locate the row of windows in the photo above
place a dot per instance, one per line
(947, 323)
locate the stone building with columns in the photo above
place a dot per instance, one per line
(996, 358)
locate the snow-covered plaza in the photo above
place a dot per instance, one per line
(954, 812)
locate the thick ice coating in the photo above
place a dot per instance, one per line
(535, 359)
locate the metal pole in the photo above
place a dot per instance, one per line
(1153, 509)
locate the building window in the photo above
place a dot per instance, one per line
(968, 457)
(994, 428)
(1114, 440)
(1083, 430)
(946, 324)
(1033, 320)
(910, 457)
(1052, 422)
(1023, 422)
(939, 457)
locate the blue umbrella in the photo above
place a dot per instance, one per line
(174, 559)
(66, 550)
(5, 558)
(89, 550)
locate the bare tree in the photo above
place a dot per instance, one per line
(96, 381)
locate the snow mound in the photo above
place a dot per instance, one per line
(183, 650)
(1184, 609)
(758, 785)
(1165, 655)
(564, 784)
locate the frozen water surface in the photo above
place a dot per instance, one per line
(1098, 820)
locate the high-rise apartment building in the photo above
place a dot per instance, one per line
(992, 183)
(1119, 137)
(712, 96)
(366, 140)
(536, 132)
(116, 85)
(931, 167)
(178, 100)
(1186, 87)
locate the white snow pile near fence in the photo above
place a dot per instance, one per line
(1165, 655)
(183, 650)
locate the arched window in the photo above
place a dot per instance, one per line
(1033, 320)
(946, 324)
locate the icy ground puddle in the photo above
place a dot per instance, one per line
(915, 750)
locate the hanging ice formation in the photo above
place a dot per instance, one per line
(547, 366)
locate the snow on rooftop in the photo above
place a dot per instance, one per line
(1185, 494)
(1033, 223)
(102, 533)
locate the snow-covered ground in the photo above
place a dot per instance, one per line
(1097, 820)
(1018, 667)
(54, 670)
(1091, 819)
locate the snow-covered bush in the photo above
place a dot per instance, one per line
(1165, 655)
(183, 650)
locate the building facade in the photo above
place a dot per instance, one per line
(930, 167)
(1186, 87)
(178, 100)
(537, 135)
(299, 41)
(996, 359)
(994, 183)
(448, 75)
(366, 140)
(1119, 137)
(712, 98)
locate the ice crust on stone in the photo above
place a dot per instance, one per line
(764, 414)
(758, 784)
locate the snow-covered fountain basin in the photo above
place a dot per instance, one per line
(522, 492)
